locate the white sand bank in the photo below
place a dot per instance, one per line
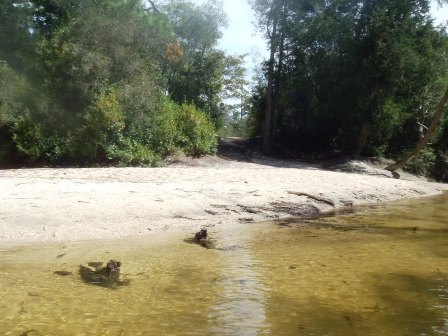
(100, 203)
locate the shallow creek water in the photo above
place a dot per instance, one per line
(380, 270)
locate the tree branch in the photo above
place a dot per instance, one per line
(424, 141)
(153, 7)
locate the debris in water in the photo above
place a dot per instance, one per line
(31, 332)
(63, 273)
(246, 219)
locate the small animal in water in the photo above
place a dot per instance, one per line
(106, 276)
(112, 270)
(201, 238)
(201, 235)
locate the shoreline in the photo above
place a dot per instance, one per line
(82, 204)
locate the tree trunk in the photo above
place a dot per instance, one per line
(278, 76)
(424, 141)
(365, 131)
(267, 127)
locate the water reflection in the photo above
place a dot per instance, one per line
(241, 309)
(441, 291)
(363, 273)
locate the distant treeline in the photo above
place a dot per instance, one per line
(111, 81)
(130, 81)
(352, 77)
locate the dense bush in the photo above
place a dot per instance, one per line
(196, 132)
(105, 134)
(424, 163)
(102, 129)
(35, 144)
(86, 83)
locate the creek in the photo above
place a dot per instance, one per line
(374, 270)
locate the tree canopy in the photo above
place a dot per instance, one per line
(131, 81)
(350, 76)
(121, 81)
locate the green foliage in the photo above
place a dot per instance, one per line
(199, 81)
(135, 154)
(108, 136)
(14, 94)
(29, 139)
(352, 77)
(423, 163)
(204, 75)
(197, 134)
(8, 103)
(32, 141)
(440, 168)
(163, 137)
(102, 129)
(85, 82)
(387, 125)
(23, 135)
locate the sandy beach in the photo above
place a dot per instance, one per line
(73, 204)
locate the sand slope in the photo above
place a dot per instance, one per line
(101, 203)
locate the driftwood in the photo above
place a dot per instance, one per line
(189, 218)
(316, 198)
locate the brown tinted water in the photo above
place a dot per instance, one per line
(382, 270)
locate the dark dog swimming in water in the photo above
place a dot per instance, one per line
(201, 238)
(108, 276)
(201, 235)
